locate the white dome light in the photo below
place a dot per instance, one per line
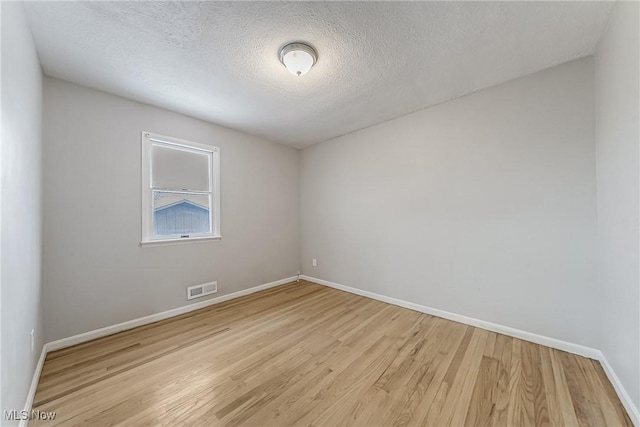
(298, 58)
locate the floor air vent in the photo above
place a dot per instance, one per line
(202, 290)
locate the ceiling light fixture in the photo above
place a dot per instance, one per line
(298, 58)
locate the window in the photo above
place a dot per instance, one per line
(180, 190)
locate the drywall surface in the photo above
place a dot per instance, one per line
(483, 206)
(96, 274)
(21, 208)
(617, 139)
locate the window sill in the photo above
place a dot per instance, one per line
(166, 242)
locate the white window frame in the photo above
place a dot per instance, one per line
(148, 139)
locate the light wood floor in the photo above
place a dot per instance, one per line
(304, 354)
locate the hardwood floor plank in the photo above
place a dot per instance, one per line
(516, 411)
(502, 354)
(532, 370)
(600, 396)
(424, 384)
(607, 388)
(462, 388)
(549, 382)
(305, 354)
(562, 390)
(585, 404)
(483, 399)
(441, 389)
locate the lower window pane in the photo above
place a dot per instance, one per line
(180, 213)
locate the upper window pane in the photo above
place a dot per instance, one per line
(176, 168)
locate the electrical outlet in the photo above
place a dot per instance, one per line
(33, 339)
(314, 262)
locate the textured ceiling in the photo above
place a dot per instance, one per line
(377, 60)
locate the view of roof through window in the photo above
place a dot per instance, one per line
(180, 213)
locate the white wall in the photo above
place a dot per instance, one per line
(483, 206)
(617, 139)
(96, 275)
(21, 275)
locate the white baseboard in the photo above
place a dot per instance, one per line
(580, 350)
(626, 400)
(109, 330)
(591, 353)
(34, 384)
